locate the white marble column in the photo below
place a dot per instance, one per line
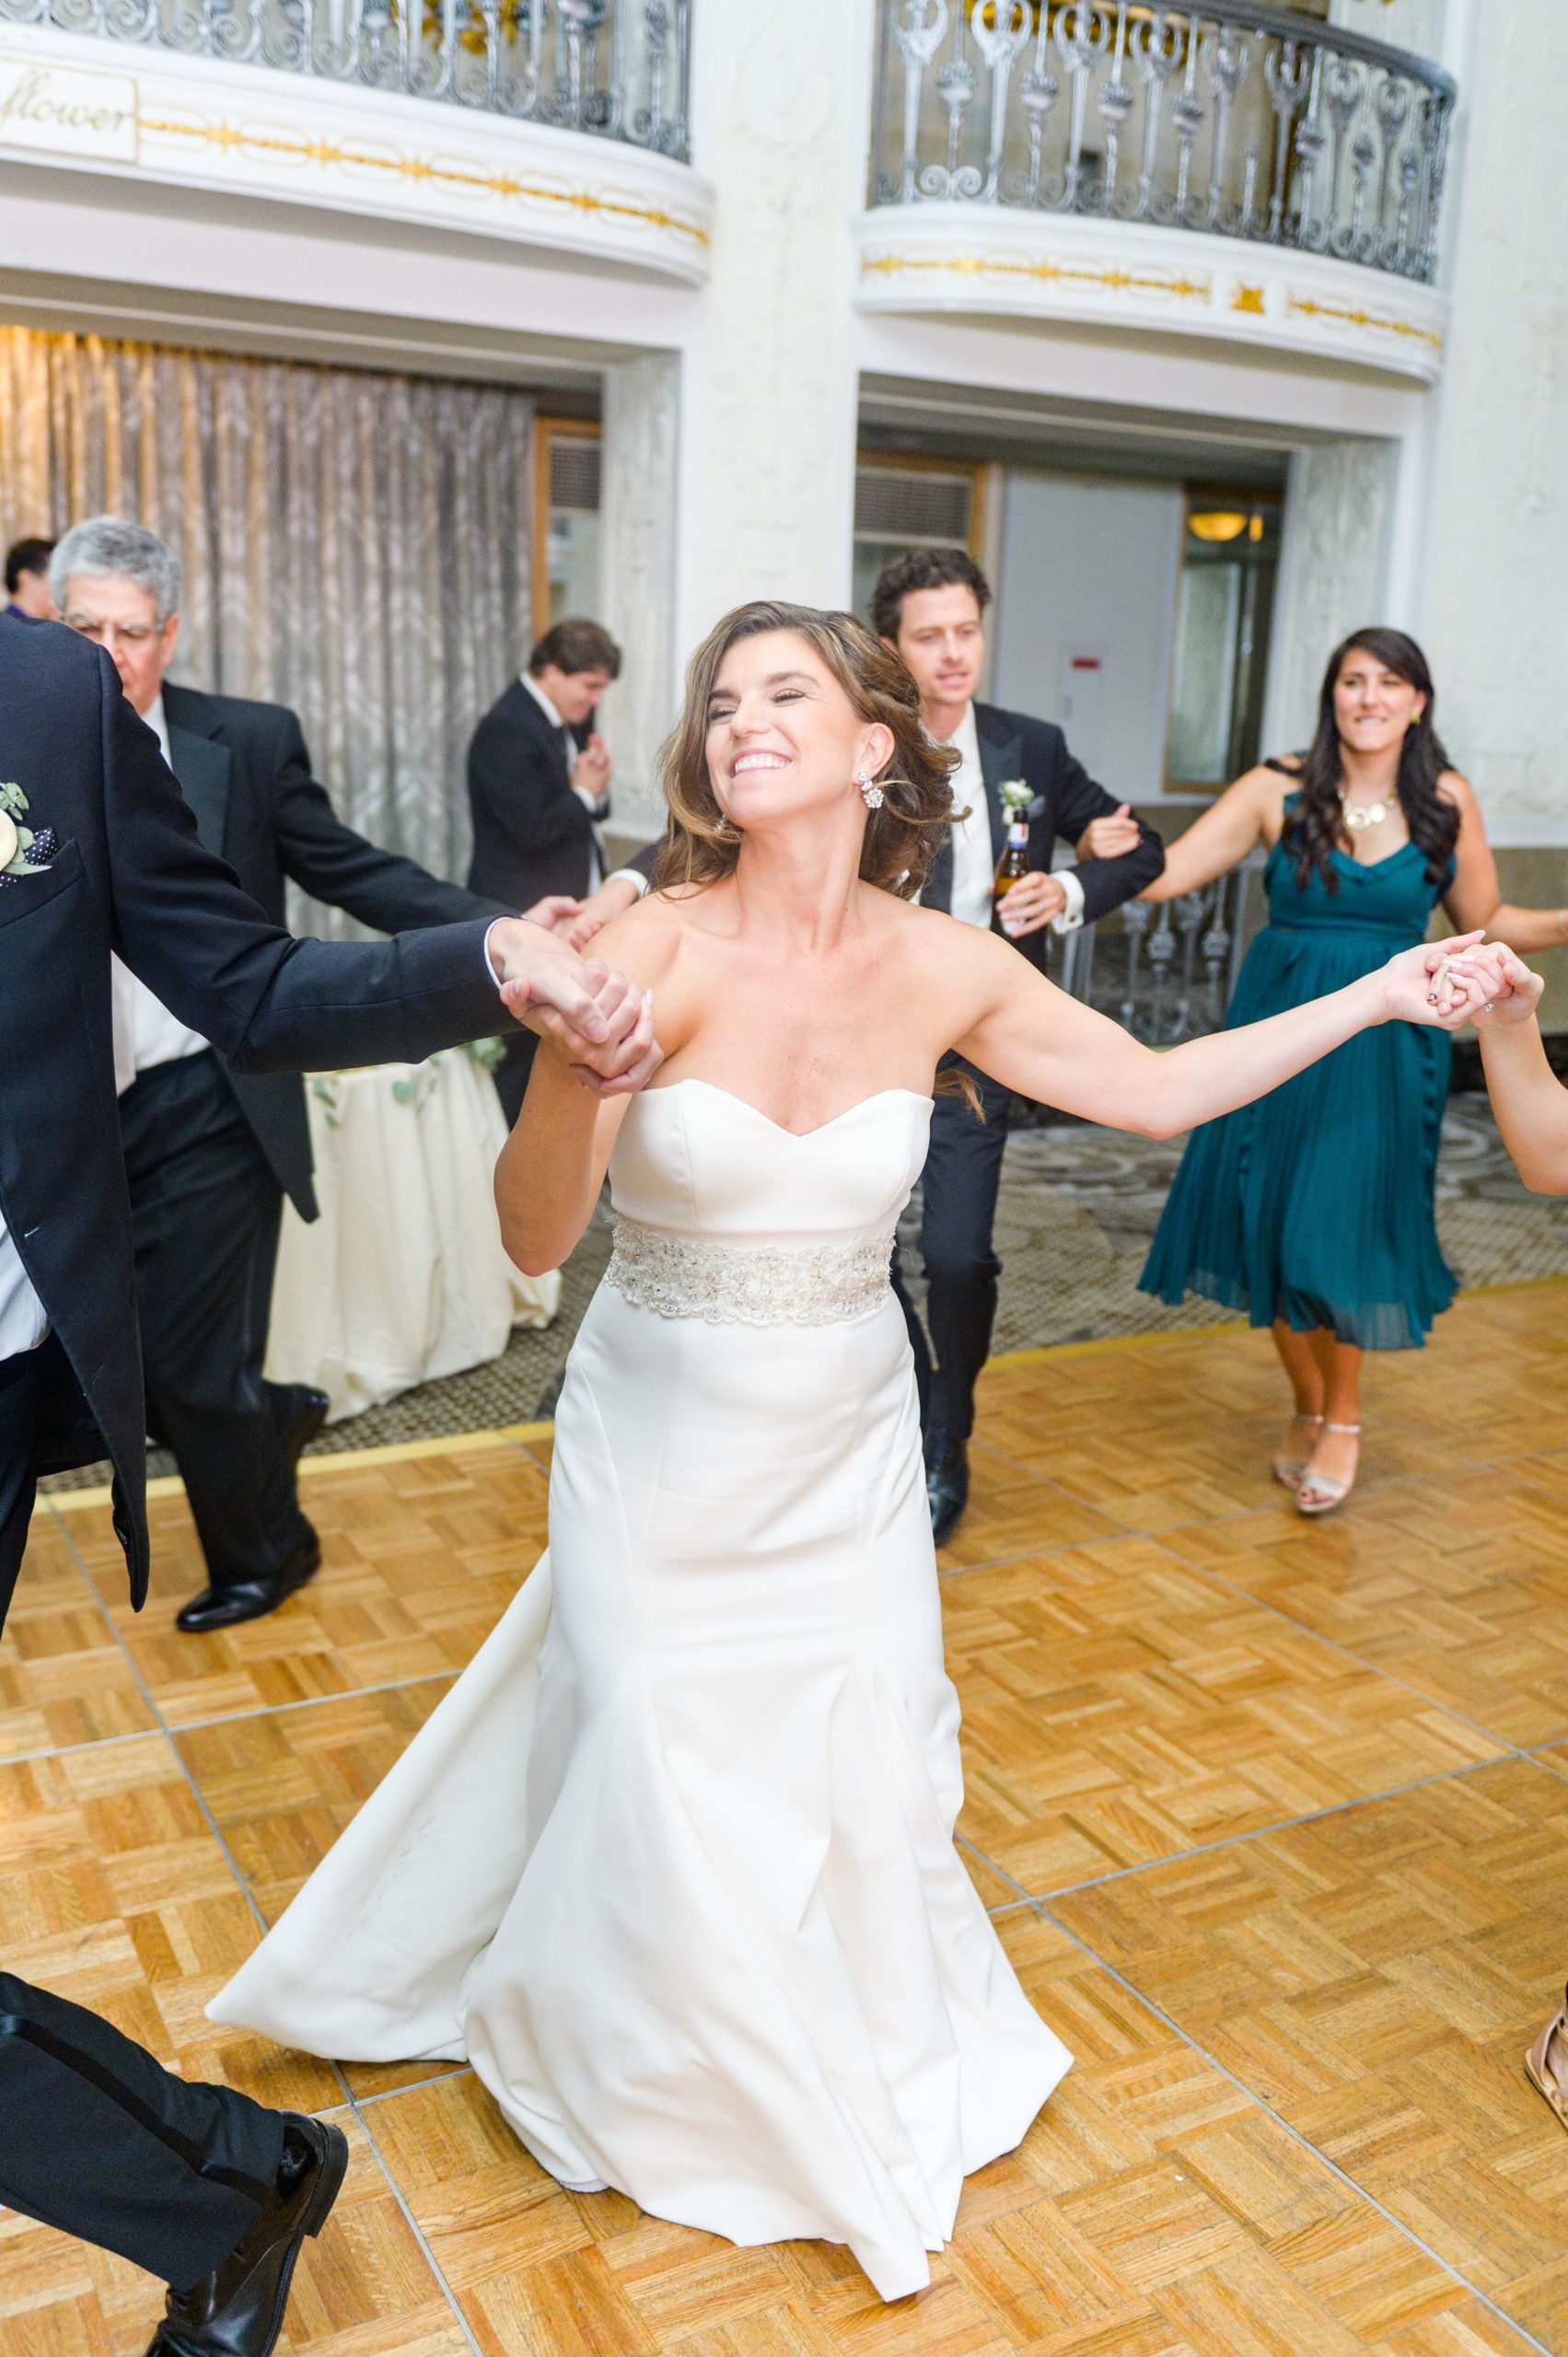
(1331, 580)
(637, 544)
(781, 112)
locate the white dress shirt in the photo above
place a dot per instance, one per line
(144, 1032)
(596, 858)
(23, 1325)
(975, 860)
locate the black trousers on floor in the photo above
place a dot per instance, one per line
(96, 2137)
(958, 1187)
(206, 1211)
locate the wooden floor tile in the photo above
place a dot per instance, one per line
(63, 1675)
(421, 1558)
(115, 1893)
(1375, 1978)
(1120, 1707)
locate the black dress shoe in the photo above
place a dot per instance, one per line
(306, 1413)
(238, 2310)
(946, 1482)
(221, 1607)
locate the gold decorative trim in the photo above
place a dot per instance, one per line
(1385, 323)
(357, 156)
(1109, 279)
(1248, 298)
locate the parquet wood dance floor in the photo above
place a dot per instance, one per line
(1273, 1817)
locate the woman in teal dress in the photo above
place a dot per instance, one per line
(1313, 1208)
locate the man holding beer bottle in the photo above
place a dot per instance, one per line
(1016, 792)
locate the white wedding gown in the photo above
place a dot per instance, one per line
(672, 1862)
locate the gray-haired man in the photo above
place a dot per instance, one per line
(210, 1152)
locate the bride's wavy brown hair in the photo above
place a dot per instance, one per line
(701, 846)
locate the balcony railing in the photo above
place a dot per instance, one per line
(614, 67)
(1245, 122)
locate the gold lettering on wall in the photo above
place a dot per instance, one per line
(67, 111)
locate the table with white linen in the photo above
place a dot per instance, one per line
(403, 1277)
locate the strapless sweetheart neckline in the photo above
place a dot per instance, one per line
(695, 1080)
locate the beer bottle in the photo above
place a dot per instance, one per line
(1015, 860)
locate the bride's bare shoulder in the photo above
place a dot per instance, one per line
(933, 934)
(644, 942)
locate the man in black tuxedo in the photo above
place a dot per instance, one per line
(538, 793)
(930, 605)
(204, 2188)
(211, 1151)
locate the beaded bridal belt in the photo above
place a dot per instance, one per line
(736, 1284)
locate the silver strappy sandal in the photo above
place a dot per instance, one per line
(1320, 1493)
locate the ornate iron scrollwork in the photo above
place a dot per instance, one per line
(1226, 116)
(620, 65)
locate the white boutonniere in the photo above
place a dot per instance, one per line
(1013, 795)
(21, 848)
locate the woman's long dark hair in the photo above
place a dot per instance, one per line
(1315, 827)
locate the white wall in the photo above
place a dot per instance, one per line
(1493, 603)
(1090, 568)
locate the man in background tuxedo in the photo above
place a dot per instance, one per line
(538, 793)
(930, 606)
(211, 1151)
(29, 597)
(209, 2191)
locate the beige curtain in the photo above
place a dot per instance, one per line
(354, 545)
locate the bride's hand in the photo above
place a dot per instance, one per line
(1511, 991)
(641, 1054)
(1431, 984)
(624, 1056)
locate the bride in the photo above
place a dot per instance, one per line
(671, 1864)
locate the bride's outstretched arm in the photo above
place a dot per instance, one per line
(1034, 1039)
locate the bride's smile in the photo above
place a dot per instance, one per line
(784, 743)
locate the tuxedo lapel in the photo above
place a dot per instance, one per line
(202, 767)
(1000, 757)
(535, 723)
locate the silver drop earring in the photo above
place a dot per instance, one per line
(873, 795)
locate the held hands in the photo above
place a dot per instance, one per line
(1433, 983)
(1511, 991)
(601, 1024)
(1111, 838)
(1032, 901)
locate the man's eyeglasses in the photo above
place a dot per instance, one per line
(128, 634)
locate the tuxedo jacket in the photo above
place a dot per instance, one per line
(1064, 798)
(531, 833)
(132, 873)
(244, 771)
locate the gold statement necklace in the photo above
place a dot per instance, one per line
(1358, 814)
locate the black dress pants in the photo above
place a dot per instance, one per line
(206, 1211)
(958, 1187)
(96, 2137)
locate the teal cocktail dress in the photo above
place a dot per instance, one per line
(1315, 1204)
